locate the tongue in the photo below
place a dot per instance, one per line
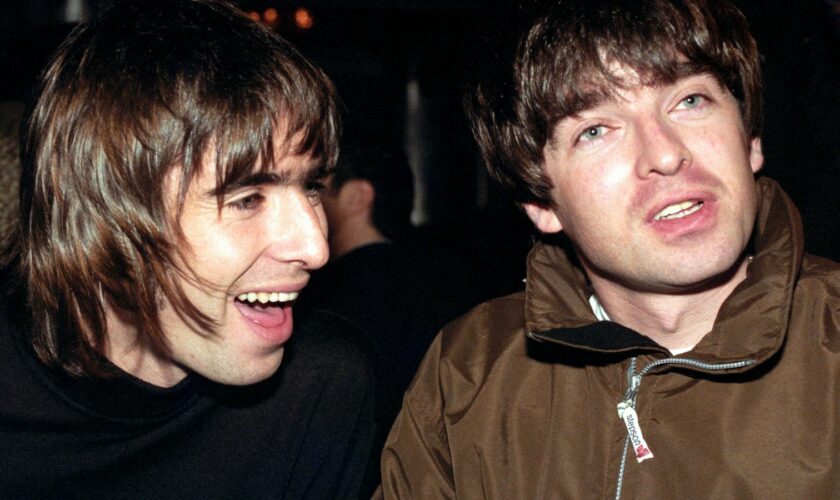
(267, 316)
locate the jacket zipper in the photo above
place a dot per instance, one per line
(627, 406)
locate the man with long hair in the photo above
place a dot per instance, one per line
(170, 215)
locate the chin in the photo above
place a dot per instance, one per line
(244, 379)
(711, 275)
(242, 373)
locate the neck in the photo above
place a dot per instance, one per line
(129, 351)
(675, 321)
(352, 235)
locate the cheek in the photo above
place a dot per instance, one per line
(723, 147)
(612, 178)
(586, 194)
(217, 252)
(218, 257)
(712, 146)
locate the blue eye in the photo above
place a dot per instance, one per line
(692, 101)
(592, 133)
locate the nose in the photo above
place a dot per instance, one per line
(662, 149)
(297, 231)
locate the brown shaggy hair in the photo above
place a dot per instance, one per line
(562, 66)
(146, 86)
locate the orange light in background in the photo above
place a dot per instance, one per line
(303, 18)
(254, 15)
(270, 15)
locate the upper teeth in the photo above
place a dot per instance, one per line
(265, 297)
(678, 210)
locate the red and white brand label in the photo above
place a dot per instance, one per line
(637, 441)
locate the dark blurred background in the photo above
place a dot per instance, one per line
(401, 67)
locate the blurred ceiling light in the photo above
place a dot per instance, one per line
(303, 18)
(270, 15)
(254, 15)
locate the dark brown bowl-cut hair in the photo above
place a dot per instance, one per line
(146, 86)
(562, 65)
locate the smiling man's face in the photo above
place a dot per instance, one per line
(655, 187)
(243, 265)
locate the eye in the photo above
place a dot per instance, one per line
(314, 191)
(248, 202)
(592, 133)
(692, 101)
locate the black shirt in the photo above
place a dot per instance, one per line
(398, 298)
(303, 433)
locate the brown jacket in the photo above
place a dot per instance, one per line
(493, 414)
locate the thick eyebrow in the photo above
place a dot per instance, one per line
(313, 173)
(608, 91)
(255, 179)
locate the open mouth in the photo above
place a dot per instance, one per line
(266, 309)
(678, 210)
(271, 298)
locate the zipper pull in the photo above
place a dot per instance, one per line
(629, 400)
(627, 413)
(634, 432)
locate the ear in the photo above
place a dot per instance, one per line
(543, 218)
(756, 155)
(357, 195)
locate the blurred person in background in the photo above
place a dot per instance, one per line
(394, 286)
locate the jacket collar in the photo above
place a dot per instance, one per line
(751, 323)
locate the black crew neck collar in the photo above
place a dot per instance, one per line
(119, 396)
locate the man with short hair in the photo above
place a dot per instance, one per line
(169, 217)
(396, 289)
(368, 197)
(681, 345)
